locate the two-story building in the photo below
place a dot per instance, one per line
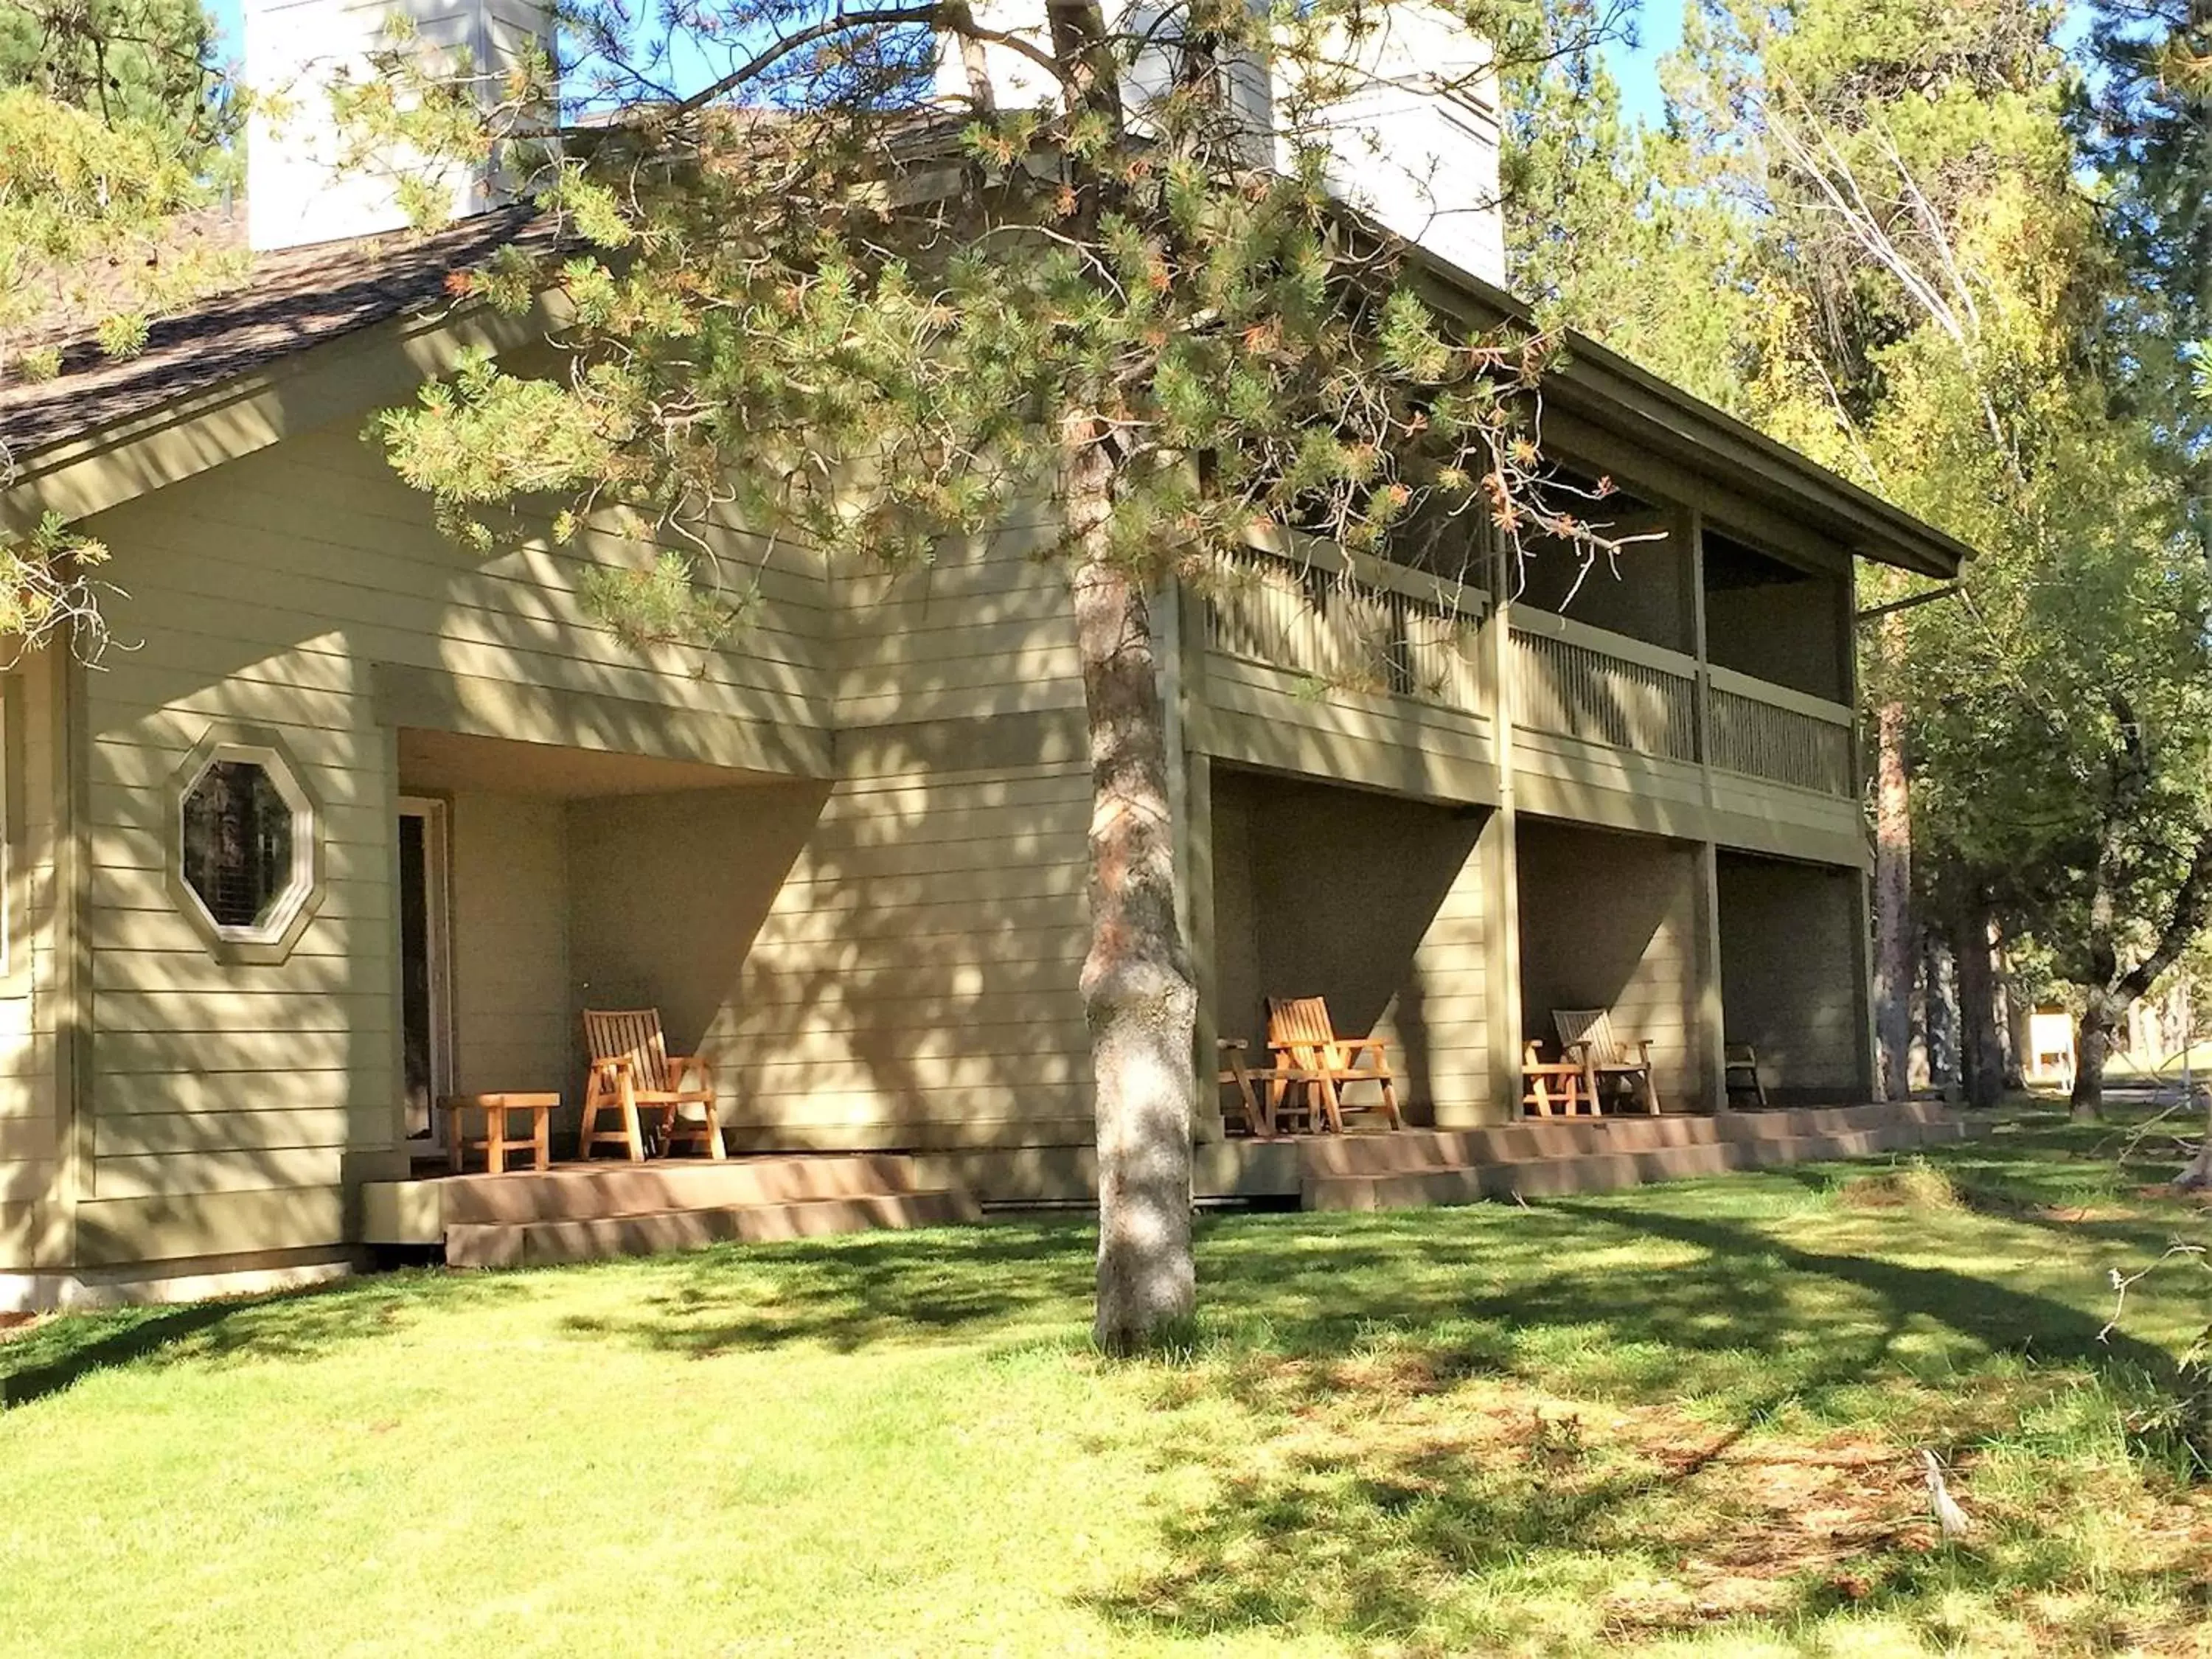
(349, 818)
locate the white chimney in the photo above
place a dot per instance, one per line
(1415, 144)
(297, 192)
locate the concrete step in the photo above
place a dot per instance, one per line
(1606, 1170)
(596, 1238)
(579, 1192)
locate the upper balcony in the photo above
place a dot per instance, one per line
(1703, 691)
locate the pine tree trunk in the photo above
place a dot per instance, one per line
(1137, 991)
(1981, 1042)
(1893, 905)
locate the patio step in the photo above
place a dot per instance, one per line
(1560, 1159)
(651, 1232)
(586, 1191)
(1411, 1151)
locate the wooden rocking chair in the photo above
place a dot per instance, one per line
(1305, 1045)
(1588, 1033)
(631, 1068)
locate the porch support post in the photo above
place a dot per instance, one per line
(1500, 872)
(1709, 1030)
(1864, 1065)
(1190, 796)
(1865, 1047)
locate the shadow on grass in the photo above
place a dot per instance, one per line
(1394, 1523)
(295, 1324)
(857, 1291)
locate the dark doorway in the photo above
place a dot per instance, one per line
(424, 1026)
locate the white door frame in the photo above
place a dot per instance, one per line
(438, 943)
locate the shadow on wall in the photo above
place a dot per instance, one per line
(1605, 923)
(1369, 900)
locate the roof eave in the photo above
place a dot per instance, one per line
(1630, 402)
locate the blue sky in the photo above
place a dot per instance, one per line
(1659, 31)
(1660, 28)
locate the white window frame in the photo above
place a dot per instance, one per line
(276, 926)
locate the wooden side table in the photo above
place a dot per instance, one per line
(497, 1142)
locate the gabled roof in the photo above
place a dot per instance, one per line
(293, 299)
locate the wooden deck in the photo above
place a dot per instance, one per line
(587, 1211)
(580, 1212)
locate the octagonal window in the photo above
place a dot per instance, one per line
(246, 834)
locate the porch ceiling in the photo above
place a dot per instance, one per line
(447, 761)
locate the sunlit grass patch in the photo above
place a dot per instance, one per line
(1682, 1418)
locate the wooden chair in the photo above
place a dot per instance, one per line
(631, 1068)
(1605, 1056)
(1543, 1082)
(1305, 1043)
(1286, 1096)
(1740, 1063)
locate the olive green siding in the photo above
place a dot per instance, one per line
(845, 855)
(33, 1127)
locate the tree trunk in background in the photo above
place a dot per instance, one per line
(1938, 1005)
(2012, 1019)
(1138, 992)
(2197, 1173)
(1892, 897)
(1981, 1042)
(2092, 1046)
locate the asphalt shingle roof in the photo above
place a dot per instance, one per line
(293, 299)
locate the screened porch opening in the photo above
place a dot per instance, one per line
(1369, 900)
(537, 880)
(1607, 922)
(1791, 982)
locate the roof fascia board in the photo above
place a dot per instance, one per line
(366, 369)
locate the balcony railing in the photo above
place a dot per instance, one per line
(1350, 623)
(1574, 681)
(1769, 732)
(1347, 622)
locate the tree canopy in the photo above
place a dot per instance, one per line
(1864, 228)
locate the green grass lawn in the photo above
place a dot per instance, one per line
(1676, 1419)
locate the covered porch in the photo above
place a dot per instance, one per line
(1467, 941)
(536, 881)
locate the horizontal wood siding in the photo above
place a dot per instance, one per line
(269, 591)
(31, 1129)
(1609, 921)
(513, 1016)
(1788, 975)
(987, 629)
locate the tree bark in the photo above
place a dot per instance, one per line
(2092, 1047)
(2197, 1173)
(1981, 1044)
(1892, 897)
(1137, 991)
